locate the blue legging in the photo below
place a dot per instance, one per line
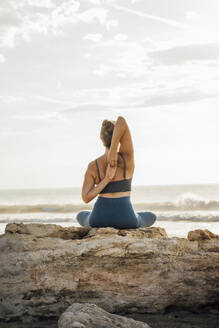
(115, 212)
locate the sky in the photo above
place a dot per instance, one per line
(66, 65)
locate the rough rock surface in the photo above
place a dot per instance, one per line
(47, 230)
(91, 316)
(201, 235)
(46, 268)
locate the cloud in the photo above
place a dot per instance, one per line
(40, 116)
(93, 37)
(133, 96)
(192, 16)
(2, 58)
(177, 96)
(24, 18)
(121, 37)
(120, 58)
(182, 54)
(166, 21)
(99, 14)
(41, 3)
(52, 100)
(111, 23)
(11, 99)
(102, 70)
(95, 2)
(129, 62)
(87, 107)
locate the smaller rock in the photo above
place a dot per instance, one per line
(199, 234)
(81, 315)
(47, 230)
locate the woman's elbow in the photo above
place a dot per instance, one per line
(85, 199)
(122, 121)
(121, 118)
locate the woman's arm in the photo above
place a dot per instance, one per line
(89, 190)
(122, 135)
(118, 132)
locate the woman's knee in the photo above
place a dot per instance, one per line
(146, 219)
(83, 213)
(83, 218)
(153, 217)
(80, 214)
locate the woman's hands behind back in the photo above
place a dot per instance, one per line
(110, 172)
(112, 157)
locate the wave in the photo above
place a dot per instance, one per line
(36, 220)
(176, 217)
(185, 202)
(45, 208)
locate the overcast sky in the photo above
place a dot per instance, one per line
(67, 65)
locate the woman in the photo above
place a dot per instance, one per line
(110, 177)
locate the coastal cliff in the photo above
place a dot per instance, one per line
(45, 268)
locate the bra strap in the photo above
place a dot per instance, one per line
(124, 168)
(98, 171)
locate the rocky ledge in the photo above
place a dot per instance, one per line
(91, 316)
(46, 268)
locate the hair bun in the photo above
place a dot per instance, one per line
(107, 131)
(108, 125)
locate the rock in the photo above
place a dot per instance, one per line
(201, 235)
(152, 232)
(44, 269)
(56, 231)
(47, 230)
(91, 316)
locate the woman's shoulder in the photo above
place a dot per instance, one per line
(93, 164)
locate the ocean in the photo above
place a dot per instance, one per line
(179, 208)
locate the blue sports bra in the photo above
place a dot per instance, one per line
(119, 185)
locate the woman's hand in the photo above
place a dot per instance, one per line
(110, 172)
(112, 157)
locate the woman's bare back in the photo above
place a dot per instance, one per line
(102, 164)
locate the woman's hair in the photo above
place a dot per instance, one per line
(107, 132)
